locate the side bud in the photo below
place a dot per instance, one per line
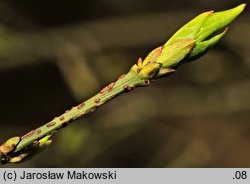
(31, 151)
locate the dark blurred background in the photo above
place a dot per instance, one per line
(56, 54)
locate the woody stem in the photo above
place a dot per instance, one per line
(124, 83)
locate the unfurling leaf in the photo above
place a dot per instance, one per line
(205, 29)
(188, 43)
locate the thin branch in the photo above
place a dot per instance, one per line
(187, 44)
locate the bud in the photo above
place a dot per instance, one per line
(188, 43)
(205, 28)
(161, 60)
(175, 52)
(9, 145)
(33, 150)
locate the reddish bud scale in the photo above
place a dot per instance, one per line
(128, 88)
(100, 103)
(50, 124)
(103, 90)
(111, 86)
(38, 131)
(107, 88)
(97, 100)
(121, 77)
(61, 118)
(153, 55)
(29, 134)
(81, 105)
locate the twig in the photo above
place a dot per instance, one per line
(187, 44)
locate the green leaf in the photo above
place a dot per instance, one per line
(205, 30)
(205, 24)
(217, 21)
(174, 53)
(190, 29)
(201, 47)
